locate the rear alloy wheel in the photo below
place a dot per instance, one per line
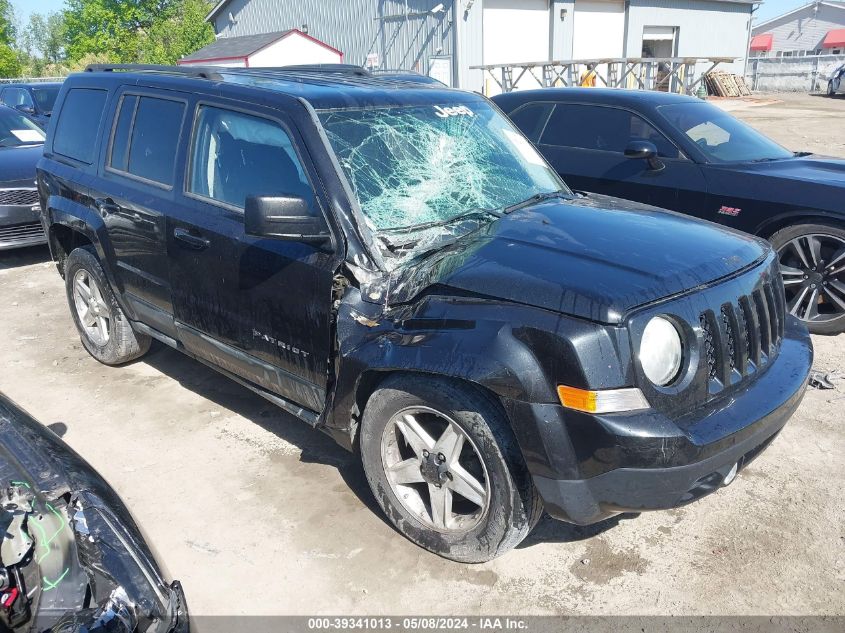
(104, 329)
(443, 463)
(812, 263)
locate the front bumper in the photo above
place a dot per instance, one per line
(20, 226)
(605, 465)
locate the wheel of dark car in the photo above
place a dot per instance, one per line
(444, 465)
(103, 328)
(830, 91)
(812, 262)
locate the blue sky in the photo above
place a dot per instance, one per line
(23, 8)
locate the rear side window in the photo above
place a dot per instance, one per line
(601, 128)
(236, 155)
(79, 120)
(531, 119)
(146, 137)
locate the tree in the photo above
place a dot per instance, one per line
(180, 33)
(7, 23)
(10, 63)
(44, 37)
(115, 28)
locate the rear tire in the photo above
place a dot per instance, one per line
(103, 328)
(501, 505)
(812, 260)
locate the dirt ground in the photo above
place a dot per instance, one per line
(258, 514)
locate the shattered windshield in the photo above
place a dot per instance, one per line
(417, 168)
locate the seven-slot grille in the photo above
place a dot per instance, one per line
(19, 197)
(20, 233)
(745, 335)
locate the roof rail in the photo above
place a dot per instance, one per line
(202, 72)
(343, 69)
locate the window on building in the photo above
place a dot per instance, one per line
(76, 130)
(146, 138)
(236, 155)
(601, 128)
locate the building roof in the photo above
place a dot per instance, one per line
(830, 3)
(236, 47)
(243, 46)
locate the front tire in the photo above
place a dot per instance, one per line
(103, 328)
(812, 264)
(445, 467)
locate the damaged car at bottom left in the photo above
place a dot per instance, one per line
(73, 559)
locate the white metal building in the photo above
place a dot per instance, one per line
(817, 28)
(446, 38)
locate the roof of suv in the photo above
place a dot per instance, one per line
(324, 86)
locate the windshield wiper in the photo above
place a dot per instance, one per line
(537, 197)
(409, 244)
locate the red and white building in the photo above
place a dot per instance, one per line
(282, 48)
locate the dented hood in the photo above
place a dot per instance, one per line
(593, 257)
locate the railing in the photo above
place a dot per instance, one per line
(669, 74)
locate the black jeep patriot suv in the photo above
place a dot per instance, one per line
(396, 265)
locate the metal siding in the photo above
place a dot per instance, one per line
(706, 29)
(804, 30)
(351, 26)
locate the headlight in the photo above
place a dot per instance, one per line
(126, 586)
(661, 351)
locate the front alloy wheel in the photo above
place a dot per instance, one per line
(812, 265)
(434, 469)
(444, 465)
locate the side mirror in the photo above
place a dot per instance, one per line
(646, 151)
(25, 109)
(285, 217)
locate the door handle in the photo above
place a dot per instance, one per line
(106, 206)
(197, 242)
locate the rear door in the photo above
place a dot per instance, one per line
(135, 191)
(586, 145)
(259, 308)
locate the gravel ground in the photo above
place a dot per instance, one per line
(239, 497)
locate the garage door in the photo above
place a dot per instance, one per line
(516, 31)
(599, 27)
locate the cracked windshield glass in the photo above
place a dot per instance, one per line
(426, 174)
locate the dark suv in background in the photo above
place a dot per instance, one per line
(36, 100)
(395, 264)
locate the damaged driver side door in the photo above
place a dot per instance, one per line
(259, 308)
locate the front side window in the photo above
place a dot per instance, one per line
(721, 137)
(531, 119)
(416, 166)
(17, 97)
(76, 131)
(45, 98)
(602, 128)
(236, 155)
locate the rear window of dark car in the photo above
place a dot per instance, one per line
(76, 130)
(146, 138)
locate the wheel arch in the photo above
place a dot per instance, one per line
(63, 239)
(372, 379)
(775, 224)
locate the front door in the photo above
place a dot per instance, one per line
(259, 308)
(586, 144)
